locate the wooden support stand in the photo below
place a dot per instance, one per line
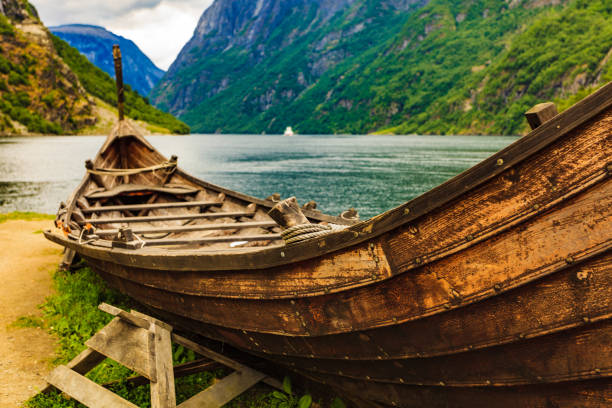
(144, 345)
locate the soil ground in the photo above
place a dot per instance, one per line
(27, 263)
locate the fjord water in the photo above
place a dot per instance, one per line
(371, 173)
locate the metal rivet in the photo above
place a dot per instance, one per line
(371, 245)
(406, 211)
(469, 237)
(326, 290)
(586, 319)
(418, 261)
(282, 254)
(244, 332)
(442, 383)
(256, 344)
(379, 357)
(521, 336)
(488, 382)
(597, 371)
(447, 306)
(401, 380)
(355, 234)
(497, 287)
(297, 313)
(252, 339)
(536, 207)
(368, 377)
(569, 260)
(558, 126)
(311, 355)
(346, 357)
(499, 162)
(322, 244)
(418, 354)
(395, 320)
(292, 302)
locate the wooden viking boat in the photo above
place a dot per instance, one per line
(492, 290)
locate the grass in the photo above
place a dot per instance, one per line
(26, 216)
(72, 315)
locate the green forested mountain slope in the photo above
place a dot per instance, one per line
(448, 66)
(47, 87)
(99, 84)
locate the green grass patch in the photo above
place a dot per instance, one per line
(72, 314)
(26, 216)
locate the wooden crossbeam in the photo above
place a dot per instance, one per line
(225, 390)
(212, 240)
(86, 391)
(153, 218)
(180, 370)
(191, 228)
(181, 204)
(144, 344)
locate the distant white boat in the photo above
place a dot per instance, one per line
(289, 131)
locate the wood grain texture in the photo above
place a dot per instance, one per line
(86, 391)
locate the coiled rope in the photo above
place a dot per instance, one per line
(129, 172)
(303, 232)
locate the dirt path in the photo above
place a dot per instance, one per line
(27, 262)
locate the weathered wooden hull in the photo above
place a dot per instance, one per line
(494, 289)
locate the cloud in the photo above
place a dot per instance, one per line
(159, 27)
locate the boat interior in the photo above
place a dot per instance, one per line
(132, 196)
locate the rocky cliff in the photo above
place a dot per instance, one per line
(256, 55)
(359, 66)
(96, 43)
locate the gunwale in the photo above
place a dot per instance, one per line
(278, 255)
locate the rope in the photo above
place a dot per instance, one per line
(129, 172)
(303, 232)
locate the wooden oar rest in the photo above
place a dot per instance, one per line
(139, 189)
(144, 345)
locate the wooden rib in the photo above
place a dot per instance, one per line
(181, 204)
(153, 218)
(212, 240)
(191, 228)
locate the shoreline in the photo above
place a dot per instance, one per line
(26, 268)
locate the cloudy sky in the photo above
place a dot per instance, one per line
(159, 27)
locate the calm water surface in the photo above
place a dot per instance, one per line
(370, 173)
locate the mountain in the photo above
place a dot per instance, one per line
(96, 43)
(362, 66)
(46, 86)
